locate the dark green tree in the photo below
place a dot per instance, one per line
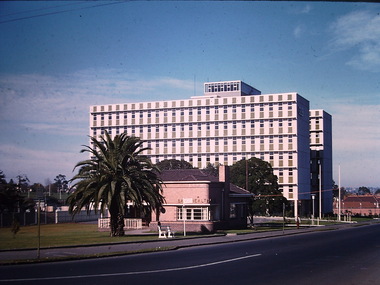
(212, 169)
(10, 198)
(22, 183)
(168, 164)
(364, 191)
(261, 181)
(117, 172)
(61, 182)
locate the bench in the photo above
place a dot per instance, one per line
(165, 232)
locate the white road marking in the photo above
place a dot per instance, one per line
(130, 273)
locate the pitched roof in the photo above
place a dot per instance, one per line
(196, 175)
(364, 201)
(238, 190)
(187, 175)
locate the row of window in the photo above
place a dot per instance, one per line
(225, 125)
(217, 102)
(192, 111)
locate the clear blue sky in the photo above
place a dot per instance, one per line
(58, 58)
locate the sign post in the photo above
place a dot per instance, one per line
(184, 214)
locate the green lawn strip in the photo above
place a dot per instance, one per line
(56, 235)
(71, 234)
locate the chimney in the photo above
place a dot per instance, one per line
(224, 176)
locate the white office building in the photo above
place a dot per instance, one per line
(229, 122)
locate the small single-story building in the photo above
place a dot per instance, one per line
(197, 201)
(363, 205)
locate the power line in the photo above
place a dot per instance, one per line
(45, 8)
(57, 12)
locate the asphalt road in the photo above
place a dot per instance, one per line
(346, 256)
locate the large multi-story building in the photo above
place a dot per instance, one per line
(230, 122)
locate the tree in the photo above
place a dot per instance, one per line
(364, 191)
(117, 172)
(11, 201)
(61, 182)
(168, 164)
(212, 169)
(261, 182)
(22, 185)
(10, 198)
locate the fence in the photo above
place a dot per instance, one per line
(65, 217)
(135, 224)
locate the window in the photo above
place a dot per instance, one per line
(110, 117)
(233, 211)
(185, 213)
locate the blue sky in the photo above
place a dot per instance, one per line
(58, 58)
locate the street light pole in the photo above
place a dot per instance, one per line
(320, 190)
(312, 215)
(339, 201)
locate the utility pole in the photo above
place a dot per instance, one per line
(339, 200)
(320, 190)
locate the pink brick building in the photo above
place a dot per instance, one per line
(200, 202)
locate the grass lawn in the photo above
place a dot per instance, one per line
(53, 235)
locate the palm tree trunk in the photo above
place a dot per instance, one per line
(117, 224)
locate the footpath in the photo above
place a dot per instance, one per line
(100, 250)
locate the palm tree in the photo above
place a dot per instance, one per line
(117, 172)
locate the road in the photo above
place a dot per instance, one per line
(346, 256)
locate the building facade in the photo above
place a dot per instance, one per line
(321, 161)
(230, 122)
(196, 201)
